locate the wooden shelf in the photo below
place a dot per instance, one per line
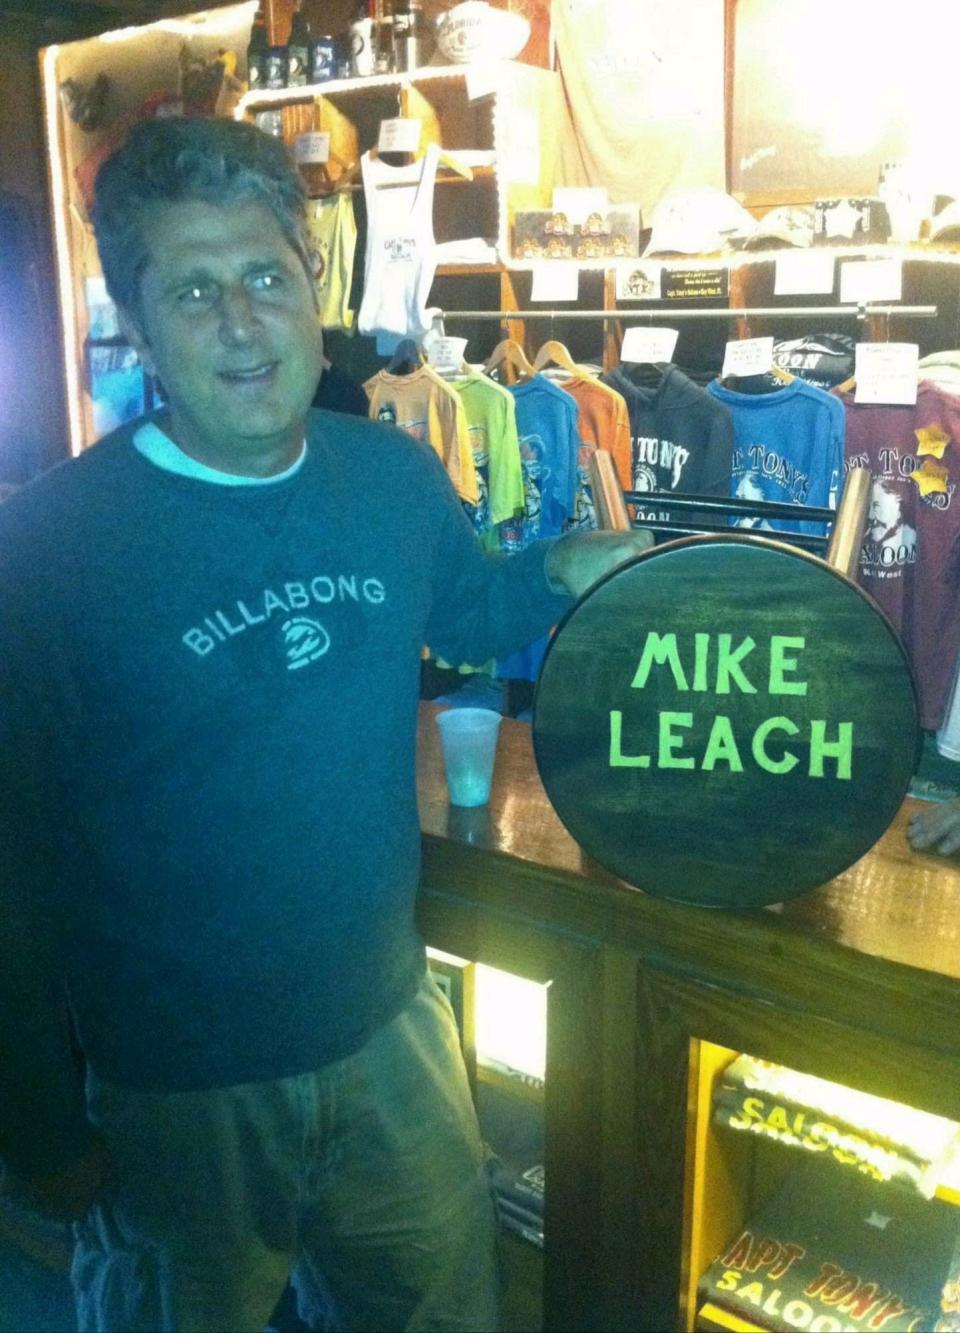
(268, 99)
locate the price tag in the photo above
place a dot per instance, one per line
(522, 153)
(555, 281)
(399, 135)
(804, 273)
(649, 344)
(445, 353)
(312, 148)
(870, 280)
(748, 356)
(887, 373)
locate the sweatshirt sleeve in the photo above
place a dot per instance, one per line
(485, 603)
(717, 479)
(43, 1125)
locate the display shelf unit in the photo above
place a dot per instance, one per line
(143, 65)
(857, 982)
(508, 110)
(727, 1176)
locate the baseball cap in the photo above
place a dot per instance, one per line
(860, 220)
(698, 221)
(786, 225)
(946, 225)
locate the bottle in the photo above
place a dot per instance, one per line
(323, 57)
(257, 52)
(407, 34)
(361, 40)
(383, 45)
(298, 50)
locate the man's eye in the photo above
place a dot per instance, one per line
(197, 294)
(267, 282)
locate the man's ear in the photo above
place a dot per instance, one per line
(137, 339)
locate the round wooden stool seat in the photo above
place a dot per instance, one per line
(726, 720)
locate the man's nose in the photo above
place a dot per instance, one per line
(239, 322)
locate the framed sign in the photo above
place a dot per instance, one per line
(821, 100)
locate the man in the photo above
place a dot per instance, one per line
(891, 541)
(210, 634)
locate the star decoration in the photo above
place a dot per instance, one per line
(931, 478)
(932, 440)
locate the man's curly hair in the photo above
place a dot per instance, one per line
(179, 159)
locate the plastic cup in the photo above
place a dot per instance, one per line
(469, 740)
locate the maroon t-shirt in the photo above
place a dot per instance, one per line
(910, 561)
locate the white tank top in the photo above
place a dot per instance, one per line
(400, 258)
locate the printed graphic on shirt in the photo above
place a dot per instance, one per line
(479, 513)
(584, 514)
(400, 249)
(645, 479)
(891, 544)
(418, 427)
(649, 453)
(301, 639)
(748, 488)
(306, 640)
(520, 532)
(756, 464)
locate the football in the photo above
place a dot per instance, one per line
(475, 30)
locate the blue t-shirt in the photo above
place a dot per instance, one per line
(787, 447)
(547, 427)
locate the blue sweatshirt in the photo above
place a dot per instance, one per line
(208, 711)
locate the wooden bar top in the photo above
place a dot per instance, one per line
(894, 905)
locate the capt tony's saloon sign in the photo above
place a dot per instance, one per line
(726, 721)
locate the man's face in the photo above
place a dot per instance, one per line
(229, 324)
(884, 514)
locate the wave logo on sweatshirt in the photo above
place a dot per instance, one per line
(305, 641)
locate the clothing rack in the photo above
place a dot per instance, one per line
(860, 312)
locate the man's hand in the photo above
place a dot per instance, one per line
(936, 829)
(578, 560)
(65, 1195)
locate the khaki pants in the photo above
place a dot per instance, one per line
(368, 1174)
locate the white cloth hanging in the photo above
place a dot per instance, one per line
(401, 250)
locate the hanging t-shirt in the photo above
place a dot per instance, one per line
(549, 448)
(332, 230)
(788, 447)
(644, 83)
(823, 359)
(681, 439)
(910, 559)
(427, 408)
(603, 424)
(492, 423)
(400, 255)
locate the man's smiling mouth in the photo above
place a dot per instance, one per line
(250, 376)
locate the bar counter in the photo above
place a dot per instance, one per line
(858, 981)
